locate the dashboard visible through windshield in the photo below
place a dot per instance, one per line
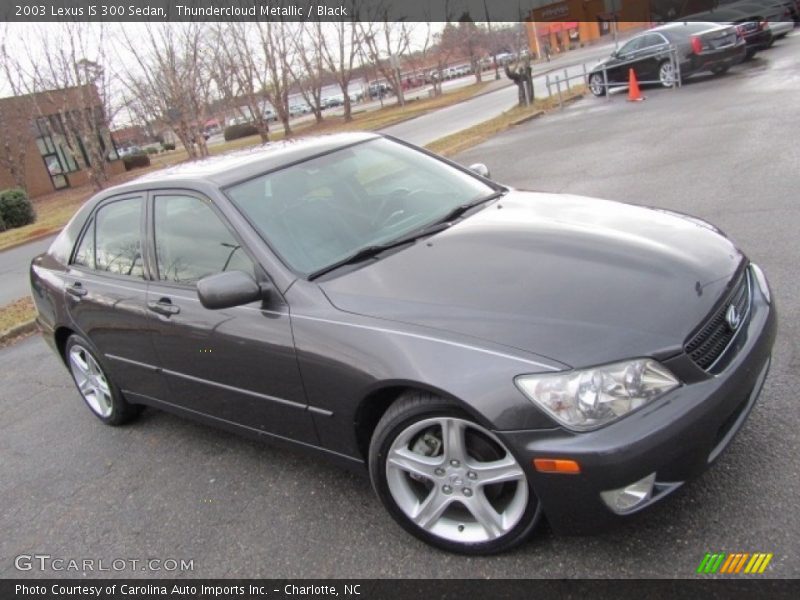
(321, 211)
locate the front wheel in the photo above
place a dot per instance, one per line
(596, 85)
(448, 480)
(102, 397)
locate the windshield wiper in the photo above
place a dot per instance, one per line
(373, 250)
(462, 208)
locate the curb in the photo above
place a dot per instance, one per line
(30, 240)
(527, 118)
(17, 330)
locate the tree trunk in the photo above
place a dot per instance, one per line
(348, 116)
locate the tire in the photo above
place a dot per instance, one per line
(596, 85)
(666, 74)
(749, 54)
(439, 491)
(100, 394)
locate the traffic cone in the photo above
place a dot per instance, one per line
(634, 95)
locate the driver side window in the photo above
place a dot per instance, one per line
(632, 46)
(191, 241)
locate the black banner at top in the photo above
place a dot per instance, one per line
(560, 11)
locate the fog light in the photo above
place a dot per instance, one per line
(630, 497)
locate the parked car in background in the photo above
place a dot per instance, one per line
(752, 26)
(790, 7)
(379, 89)
(129, 151)
(299, 108)
(333, 101)
(367, 301)
(699, 46)
(777, 15)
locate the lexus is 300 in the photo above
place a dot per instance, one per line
(489, 356)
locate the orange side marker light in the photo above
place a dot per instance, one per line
(556, 465)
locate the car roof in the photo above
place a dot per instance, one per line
(232, 167)
(692, 26)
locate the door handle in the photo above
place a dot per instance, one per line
(77, 290)
(164, 307)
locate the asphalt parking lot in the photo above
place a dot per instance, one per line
(725, 149)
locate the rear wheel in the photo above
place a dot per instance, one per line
(596, 85)
(448, 480)
(666, 74)
(102, 397)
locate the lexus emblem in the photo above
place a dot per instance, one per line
(733, 318)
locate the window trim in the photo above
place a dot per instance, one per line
(90, 221)
(150, 237)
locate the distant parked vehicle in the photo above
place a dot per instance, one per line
(333, 101)
(700, 47)
(379, 89)
(777, 15)
(298, 109)
(129, 151)
(752, 27)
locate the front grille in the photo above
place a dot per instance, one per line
(714, 336)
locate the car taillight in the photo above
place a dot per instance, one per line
(762, 25)
(697, 45)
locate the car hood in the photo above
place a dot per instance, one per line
(579, 280)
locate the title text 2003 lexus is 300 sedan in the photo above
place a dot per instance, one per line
(489, 355)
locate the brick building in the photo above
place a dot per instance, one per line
(41, 131)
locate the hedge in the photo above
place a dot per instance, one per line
(16, 209)
(168, 146)
(234, 132)
(135, 161)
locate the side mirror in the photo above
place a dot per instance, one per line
(227, 289)
(481, 169)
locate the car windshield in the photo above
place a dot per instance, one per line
(321, 211)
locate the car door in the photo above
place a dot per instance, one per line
(106, 295)
(237, 365)
(620, 63)
(653, 51)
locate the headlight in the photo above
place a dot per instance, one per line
(761, 279)
(589, 398)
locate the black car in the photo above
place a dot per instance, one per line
(698, 47)
(488, 355)
(751, 25)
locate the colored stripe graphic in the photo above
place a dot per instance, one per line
(721, 562)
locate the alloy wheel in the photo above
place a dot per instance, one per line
(596, 85)
(666, 74)
(91, 381)
(456, 480)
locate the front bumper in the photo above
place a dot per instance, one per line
(677, 437)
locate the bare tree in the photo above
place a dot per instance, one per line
(170, 78)
(309, 72)
(238, 73)
(420, 60)
(385, 42)
(70, 87)
(275, 41)
(340, 46)
(15, 114)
